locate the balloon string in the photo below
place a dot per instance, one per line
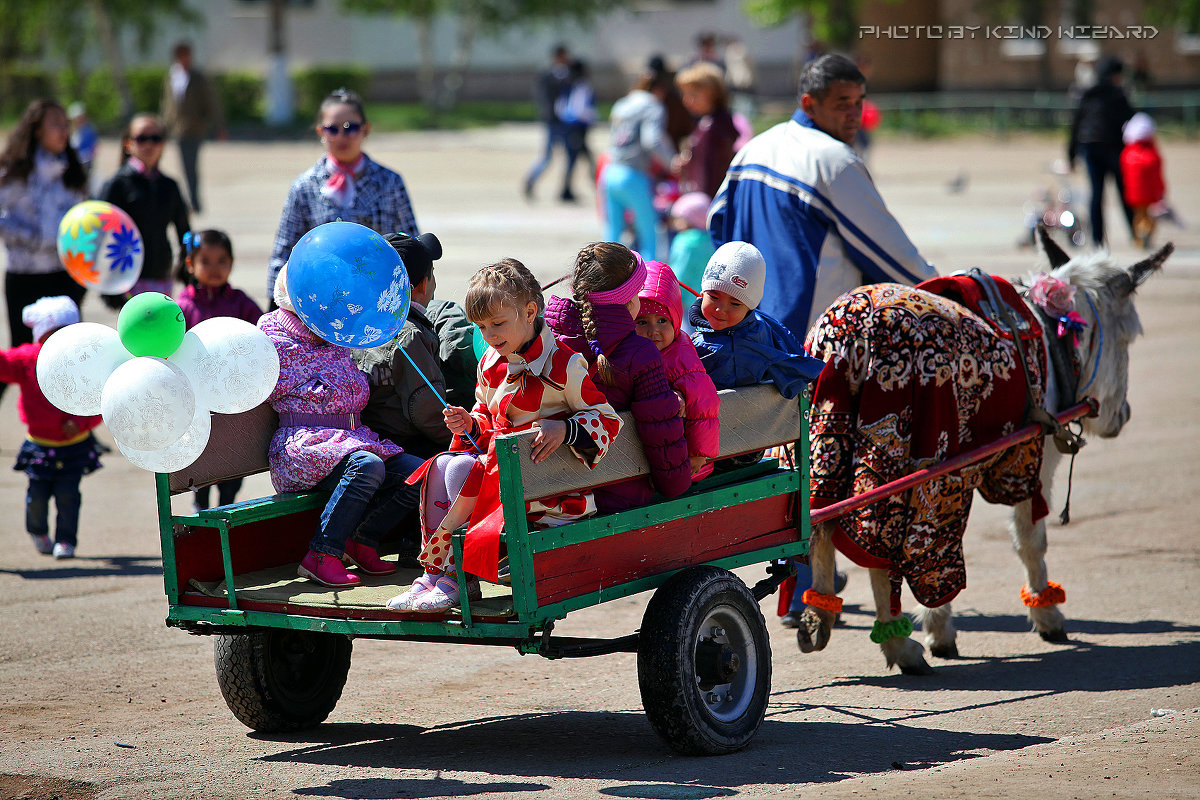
(441, 399)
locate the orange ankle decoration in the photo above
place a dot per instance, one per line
(1052, 595)
(825, 602)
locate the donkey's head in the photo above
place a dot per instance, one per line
(1104, 298)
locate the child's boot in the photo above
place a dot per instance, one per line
(327, 570)
(367, 559)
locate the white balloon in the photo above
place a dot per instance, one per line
(178, 454)
(74, 364)
(232, 365)
(147, 403)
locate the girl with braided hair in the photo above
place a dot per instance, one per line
(598, 321)
(524, 380)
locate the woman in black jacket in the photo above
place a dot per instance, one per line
(152, 200)
(1096, 137)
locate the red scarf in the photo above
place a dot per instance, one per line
(340, 186)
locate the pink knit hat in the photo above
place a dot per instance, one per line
(692, 208)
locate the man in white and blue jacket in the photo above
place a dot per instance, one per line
(800, 194)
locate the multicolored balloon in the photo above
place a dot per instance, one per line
(101, 247)
(348, 285)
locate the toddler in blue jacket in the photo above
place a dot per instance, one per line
(738, 344)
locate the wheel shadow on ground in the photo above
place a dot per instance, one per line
(91, 567)
(619, 747)
(1073, 667)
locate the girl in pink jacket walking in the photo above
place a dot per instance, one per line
(659, 320)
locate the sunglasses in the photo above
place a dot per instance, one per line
(149, 138)
(348, 128)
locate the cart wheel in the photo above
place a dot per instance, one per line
(280, 680)
(704, 662)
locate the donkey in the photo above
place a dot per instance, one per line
(1096, 340)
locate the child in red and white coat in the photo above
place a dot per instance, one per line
(525, 380)
(60, 448)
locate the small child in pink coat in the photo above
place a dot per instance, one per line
(659, 320)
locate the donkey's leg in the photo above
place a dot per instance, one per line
(939, 631)
(1029, 540)
(816, 624)
(902, 651)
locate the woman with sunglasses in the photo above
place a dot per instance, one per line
(344, 185)
(40, 179)
(152, 200)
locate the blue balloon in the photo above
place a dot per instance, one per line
(348, 285)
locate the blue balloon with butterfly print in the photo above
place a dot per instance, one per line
(348, 285)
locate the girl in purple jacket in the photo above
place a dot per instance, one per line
(204, 272)
(321, 443)
(659, 320)
(597, 322)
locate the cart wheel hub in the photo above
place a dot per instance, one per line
(716, 663)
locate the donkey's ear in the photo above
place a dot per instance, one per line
(1056, 254)
(1135, 276)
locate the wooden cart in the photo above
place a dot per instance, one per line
(283, 644)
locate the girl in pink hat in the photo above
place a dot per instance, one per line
(658, 320)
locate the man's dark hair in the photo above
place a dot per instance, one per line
(181, 47)
(820, 74)
(559, 51)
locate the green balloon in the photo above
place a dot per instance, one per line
(151, 324)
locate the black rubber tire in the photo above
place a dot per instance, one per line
(681, 663)
(281, 680)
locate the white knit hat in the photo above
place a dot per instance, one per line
(739, 270)
(280, 294)
(1139, 128)
(49, 314)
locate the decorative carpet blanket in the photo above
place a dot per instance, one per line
(912, 379)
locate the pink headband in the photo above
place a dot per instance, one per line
(626, 291)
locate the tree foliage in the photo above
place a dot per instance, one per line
(832, 21)
(34, 28)
(473, 18)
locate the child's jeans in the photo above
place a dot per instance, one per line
(226, 494)
(369, 495)
(67, 499)
(803, 583)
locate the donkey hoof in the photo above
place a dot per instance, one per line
(920, 668)
(944, 650)
(1058, 636)
(812, 634)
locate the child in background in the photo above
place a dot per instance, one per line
(1142, 174)
(151, 199)
(526, 380)
(322, 444)
(739, 345)
(658, 320)
(692, 247)
(598, 322)
(60, 448)
(84, 138)
(403, 407)
(207, 262)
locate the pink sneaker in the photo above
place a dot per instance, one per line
(327, 570)
(404, 602)
(367, 559)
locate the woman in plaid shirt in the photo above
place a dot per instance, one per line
(344, 185)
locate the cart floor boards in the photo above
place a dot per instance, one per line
(282, 585)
